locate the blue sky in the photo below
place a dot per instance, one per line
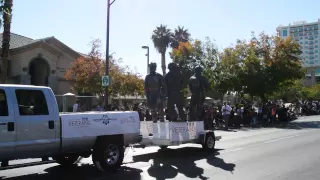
(76, 22)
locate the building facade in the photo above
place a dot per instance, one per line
(41, 62)
(307, 35)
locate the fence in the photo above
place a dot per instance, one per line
(86, 103)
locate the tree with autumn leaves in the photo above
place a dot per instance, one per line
(260, 67)
(86, 73)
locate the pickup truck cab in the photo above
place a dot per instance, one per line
(32, 127)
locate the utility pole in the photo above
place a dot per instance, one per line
(106, 94)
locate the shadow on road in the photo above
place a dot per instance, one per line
(83, 172)
(168, 163)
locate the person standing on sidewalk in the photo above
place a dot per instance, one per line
(226, 109)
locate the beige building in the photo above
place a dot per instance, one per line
(40, 62)
(44, 62)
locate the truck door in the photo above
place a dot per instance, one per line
(7, 125)
(36, 123)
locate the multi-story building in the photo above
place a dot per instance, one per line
(307, 35)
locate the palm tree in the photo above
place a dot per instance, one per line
(161, 39)
(6, 11)
(180, 35)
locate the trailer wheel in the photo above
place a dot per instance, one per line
(209, 142)
(163, 147)
(4, 163)
(67, 160)
(108, 156)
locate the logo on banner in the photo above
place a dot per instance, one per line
(83, 122)
(190, 128)
(129, 120)
(105, 119)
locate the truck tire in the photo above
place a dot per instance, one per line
(209, 142)
(108, 155)
(67, 160)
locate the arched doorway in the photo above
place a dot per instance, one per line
(39, 70)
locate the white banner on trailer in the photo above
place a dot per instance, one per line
(99, 123)
(173, 131)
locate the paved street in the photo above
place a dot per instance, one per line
(286, 152)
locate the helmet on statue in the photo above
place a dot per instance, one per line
(198, 70)
(153, 67)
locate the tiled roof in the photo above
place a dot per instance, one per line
(17, 41)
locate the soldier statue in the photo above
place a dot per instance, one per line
(154, 87)
(174, 85)
(197, 86)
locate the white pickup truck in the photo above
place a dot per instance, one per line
(31, 127)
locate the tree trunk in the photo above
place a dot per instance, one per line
(163, 63)
(6, 39)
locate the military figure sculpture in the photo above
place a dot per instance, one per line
(197, 86)
(174, 85)
(154, 87)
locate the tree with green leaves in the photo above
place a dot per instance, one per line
(191, 54)
(161, 38)
(261, 66)
(180, 35)
(6, 10)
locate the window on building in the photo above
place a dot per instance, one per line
(301, 38)
(316, 46)
(284, 32)
(31, 102)
(316, 41)
(316, 51)
(315, 36)
(3, 103)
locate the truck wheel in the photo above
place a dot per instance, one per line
(108, 156)
(209, 142)
(67, 160)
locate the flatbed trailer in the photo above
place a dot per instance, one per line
(164, 134)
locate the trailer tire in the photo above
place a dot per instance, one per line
(163, 147)
(67, 160)
(108, 155)
(4, 163)
(209, 142)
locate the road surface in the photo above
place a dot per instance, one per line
(288, 152)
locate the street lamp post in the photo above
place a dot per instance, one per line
(147, 47)
(106, 95)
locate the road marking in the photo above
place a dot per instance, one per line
(267, 142)
(263, 142)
